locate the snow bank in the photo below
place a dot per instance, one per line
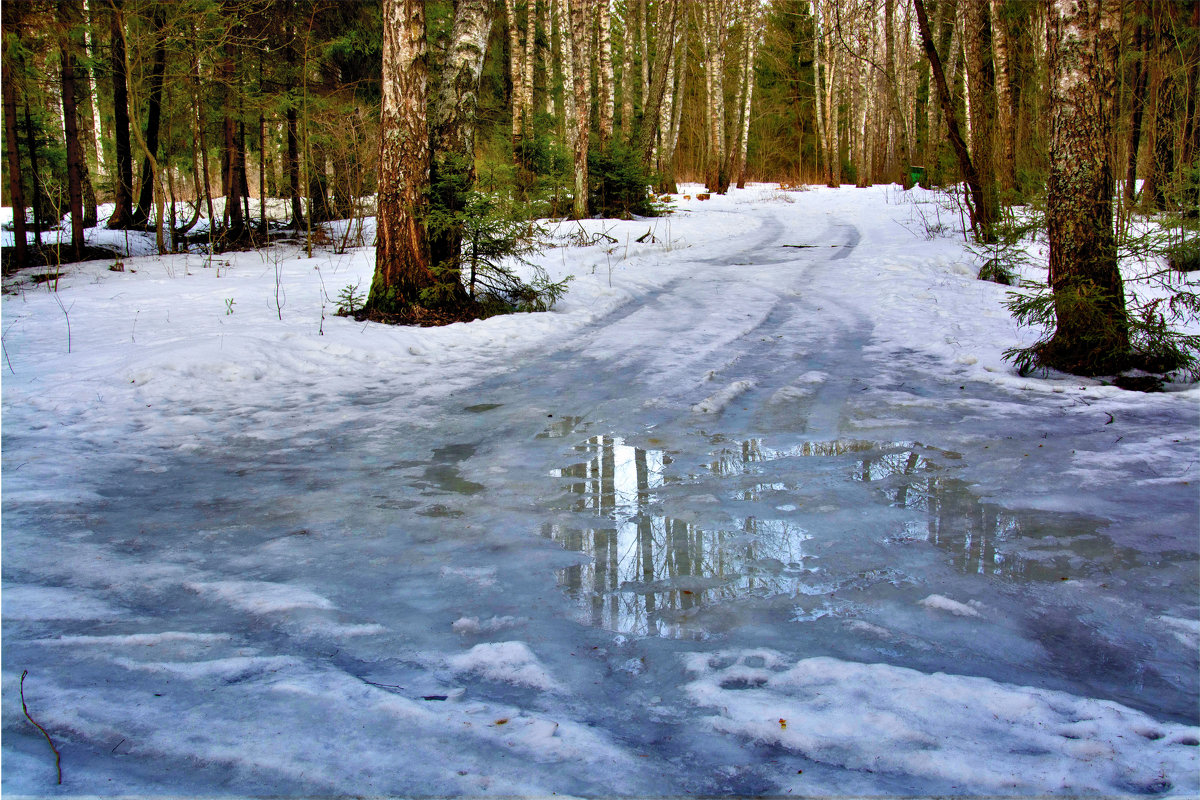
(954, 731)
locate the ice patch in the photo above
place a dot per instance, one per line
(480, 576)
(951, 730)
(473, 625)
(260, 597)
(719, 401)
(510, 662)
(937, 602)
(54, 602)
(1187, 631)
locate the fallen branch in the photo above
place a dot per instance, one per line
(57, 755)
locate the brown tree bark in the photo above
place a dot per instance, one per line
(67, 18)
(1091, 335)
(977, 46)
(1006, 126)
(664, 58)
(141, 214)
(35, 180)
(15, 186)
(401, 246)
(122, 216)
(1137, 105)
(966, 167)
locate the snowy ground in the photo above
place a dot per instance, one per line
(758, 509)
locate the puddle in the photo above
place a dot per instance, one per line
(480, 408)
(986, 539)
(648, 572)
(443, 475)
(618, 479)
(745, 457)
(562, 427)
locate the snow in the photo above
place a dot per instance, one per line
(758, 509)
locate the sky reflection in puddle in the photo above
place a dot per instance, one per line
(649, 573)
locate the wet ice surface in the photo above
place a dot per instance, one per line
(727, 539)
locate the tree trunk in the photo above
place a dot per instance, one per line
(1137, 104)
(15, 187)
(153, 117)
(1091, 335)
(977, 46)
(1006, 170)
(67, 19)
(35, 179)
(516, 72)
(234, 221)
(122, 216)
(626, 82)
(453, 124)
(401, 247)
(580, 12)
(567, 62)
(715, 21)
(664, 59)
(948, 112)
(606, 100)
(672, 113)
(751, 23)
(818, 93)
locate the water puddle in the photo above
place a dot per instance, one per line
(480, 408)
(980, 537)
(651, 574)
(443, 475)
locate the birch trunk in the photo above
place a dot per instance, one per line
(626, 81)
(580, 12)
(401, 249)
(530, 58)
(658, 103)
(672, 114)
(753, 20)
(455, 107)
(1006, 170)
(818, 91)
(567, 62)
(1091, 334)
(715, 19)
(516, 73)
(607, 106)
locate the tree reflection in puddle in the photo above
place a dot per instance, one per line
(980, 537)
(649, 572)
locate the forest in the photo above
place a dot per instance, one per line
(219, 124)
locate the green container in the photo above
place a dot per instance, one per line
(916, 175)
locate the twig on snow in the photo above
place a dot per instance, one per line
(57, 755)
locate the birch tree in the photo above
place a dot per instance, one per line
(402, 268)
(580, 16)
(453, 127)
(1091, 335)
(606, 101)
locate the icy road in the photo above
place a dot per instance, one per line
(759, 510)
